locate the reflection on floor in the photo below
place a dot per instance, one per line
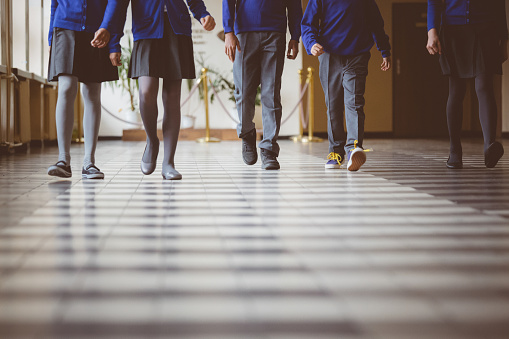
(403, 249)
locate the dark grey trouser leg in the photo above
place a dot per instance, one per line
(331, 77)
(272, 64)
(354, 83)
(246, 76)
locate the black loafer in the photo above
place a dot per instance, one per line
(454, 165)
(60, 169)
(92, 172)
(269, 160)
(493, 154)
(249, 152)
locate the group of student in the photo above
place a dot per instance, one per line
(469, 35)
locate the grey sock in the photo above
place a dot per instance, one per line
(91, 120)
(149, 88)
(67, 90)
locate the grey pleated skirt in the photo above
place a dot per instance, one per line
(470, 50)
(72, 54)
(171, 57)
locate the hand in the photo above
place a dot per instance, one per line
(434, 46)
(230, 44)
(293, 50)
(208, 23)
(503, 47)
(101, 38)
(115, 59)
(317, 50)
(386, 64)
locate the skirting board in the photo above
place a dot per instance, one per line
(185, 134)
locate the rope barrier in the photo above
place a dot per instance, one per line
(191, 92)
(303, 117)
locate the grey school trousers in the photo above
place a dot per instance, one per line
(344, 84)
(260, 62)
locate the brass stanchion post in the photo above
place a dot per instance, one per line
(311, 103)
(79, 137)
(299, 137)
(205, 83)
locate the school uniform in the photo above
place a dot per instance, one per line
(72, 27)
(470, 33)
(163, 46)
(347, 30)
(261, 26)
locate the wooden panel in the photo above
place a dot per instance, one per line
(22, 113)
(185, 134)
(35, 110)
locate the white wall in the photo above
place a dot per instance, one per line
(211, 48)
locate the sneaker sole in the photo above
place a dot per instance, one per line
(57, 172)
(493, 155)
(356, 161)
(333, 166)
(93, 176)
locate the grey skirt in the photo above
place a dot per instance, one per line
(72, 54)
(470, 50)
(170, 57)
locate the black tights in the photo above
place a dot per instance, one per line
(487, 111)
(149, 88)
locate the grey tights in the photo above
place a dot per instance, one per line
(149, 88)
(67, 91)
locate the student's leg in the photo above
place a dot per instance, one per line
(487, 108)
(354, 83)
(493, 150)
(171, 126)
(272, 61)
(149, 88)
(331, 77)
(91, 120)
(457, 91)
(246, 76)
(67, 90)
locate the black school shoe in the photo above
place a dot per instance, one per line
(92, 172)
(269, 160)
(454, 165)
(249, 152)
(493, 154)
(60, 169)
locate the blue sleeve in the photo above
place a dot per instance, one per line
(435, 9)
(109, 15)
(311, 24)
(54, 5)
(228, 15)
(198, 9)
(294, 18)
(376, 23)
(117, 23)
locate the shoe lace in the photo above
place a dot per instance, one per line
(335, 156)
(355, 147)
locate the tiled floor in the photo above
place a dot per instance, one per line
(404, 248)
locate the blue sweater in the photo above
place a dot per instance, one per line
(344, 27)
(262, 16)
(148, 16)
(466, 12)
(85, 15)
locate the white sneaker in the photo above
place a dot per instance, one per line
(356, 158)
